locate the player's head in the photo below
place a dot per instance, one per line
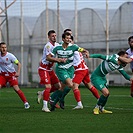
(52, 36)
(130, 42)
(68, 30)
(72, 40)
(123, 54)
(66, 37)
(3, 48)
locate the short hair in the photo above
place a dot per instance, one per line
(65, 34)
(122, 53)
(129, 38)
(50, 32)
(2, 43)
(72, 38)
(67, 30)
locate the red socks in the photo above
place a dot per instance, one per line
(46, 94)
(95, 92)
(132, 87)
(21, 95)
(53, 89)
(77, 94)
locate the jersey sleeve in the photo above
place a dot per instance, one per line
(75, 47)
(101, 56)
(14, 59)
(125, 75)
(53, 52)
(131, 57)
(112, 58)
(47, 49)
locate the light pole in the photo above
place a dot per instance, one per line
(58, 20)
(46, 20)
(76, 22)
(22, 43)
(107, 33)
(107, 28)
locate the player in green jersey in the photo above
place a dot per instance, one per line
(98, 77)
(66, 89)
(64, 70)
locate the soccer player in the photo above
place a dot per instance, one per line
(64, 70)
(66, 89)
(81, 74)
(130, 54)
(53, 89)
(98, 77)
(8, 72)
(45, 70)
(78, 58)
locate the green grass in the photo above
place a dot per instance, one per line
(15, 119)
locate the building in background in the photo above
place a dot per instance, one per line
(90, 30)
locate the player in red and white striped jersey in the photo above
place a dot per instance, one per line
(130, 59)
(81, 74)
(130, 54)
(46, 73)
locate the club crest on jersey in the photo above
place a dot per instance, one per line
(6, 59)
(48, 48)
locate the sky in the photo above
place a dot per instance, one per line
(35, 7)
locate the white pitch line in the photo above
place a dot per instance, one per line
(130, 109)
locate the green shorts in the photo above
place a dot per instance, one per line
(99, 82)
(63, 74)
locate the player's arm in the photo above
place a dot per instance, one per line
(51, 58)
(125, 75)
(101, 56)
(108, 58)
(84, 52)
(125, 60)
(18, 67)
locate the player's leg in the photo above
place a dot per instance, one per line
(93, 90)
(60, 92)
(102, 101)
(22, 96)
(14, 83)
(77, 96)
(40, 96)
(131, 89)
(89, 85)
(64, 74)
(2, 81)
(45, 80)
(62, 99)
(56, 87)
(100, 84)
(54, 90)
(57, 98)
(77, 79)
(67, 89)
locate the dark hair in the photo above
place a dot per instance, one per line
(65, 34)
(67, 30)
(72, 38)
(129, 38)
(2, 43)
(50, 32)
(121, 53)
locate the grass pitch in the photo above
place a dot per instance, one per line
(15, 119)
